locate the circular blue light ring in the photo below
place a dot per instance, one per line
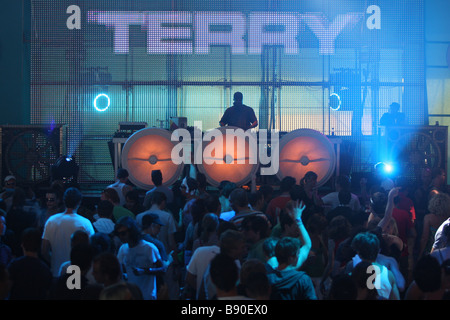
(338, 98)
(95, 102)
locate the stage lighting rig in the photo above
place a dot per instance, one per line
(385, 168)
(66, 169)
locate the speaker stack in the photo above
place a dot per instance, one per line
(147, 150)
(28, 151)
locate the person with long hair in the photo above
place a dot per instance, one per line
(439, 211)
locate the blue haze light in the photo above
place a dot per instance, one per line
(388, 168)
(385, 168)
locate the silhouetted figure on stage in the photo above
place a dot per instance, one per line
(394, 117)
(239, 115)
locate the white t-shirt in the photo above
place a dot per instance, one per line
(440, 240)
(332, 200)
(144, 255)
(200, 260)
(382, 278)
(58, 230)
(385, 285)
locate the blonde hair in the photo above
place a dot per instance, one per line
(393, 224)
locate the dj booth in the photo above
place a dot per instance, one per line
(140, 150)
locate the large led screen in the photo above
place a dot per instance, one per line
(328, 65)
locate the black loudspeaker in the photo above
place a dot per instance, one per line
(29, 151)
(417, 147)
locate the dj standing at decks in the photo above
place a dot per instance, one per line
(239, 115)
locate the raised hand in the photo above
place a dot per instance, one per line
(298, 209)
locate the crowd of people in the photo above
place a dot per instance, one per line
(384, 240)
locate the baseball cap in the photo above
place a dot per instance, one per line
(10, 177)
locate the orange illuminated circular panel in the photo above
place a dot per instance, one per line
(229, 155)
(306, 150)
(147, 150)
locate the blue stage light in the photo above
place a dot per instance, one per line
(65, 168)
(388, 168)
(385, 167)
(102, 102)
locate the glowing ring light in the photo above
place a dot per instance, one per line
(146, 150)
(335, 99)
(99, 96)
(228, 167)
(304, 150)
